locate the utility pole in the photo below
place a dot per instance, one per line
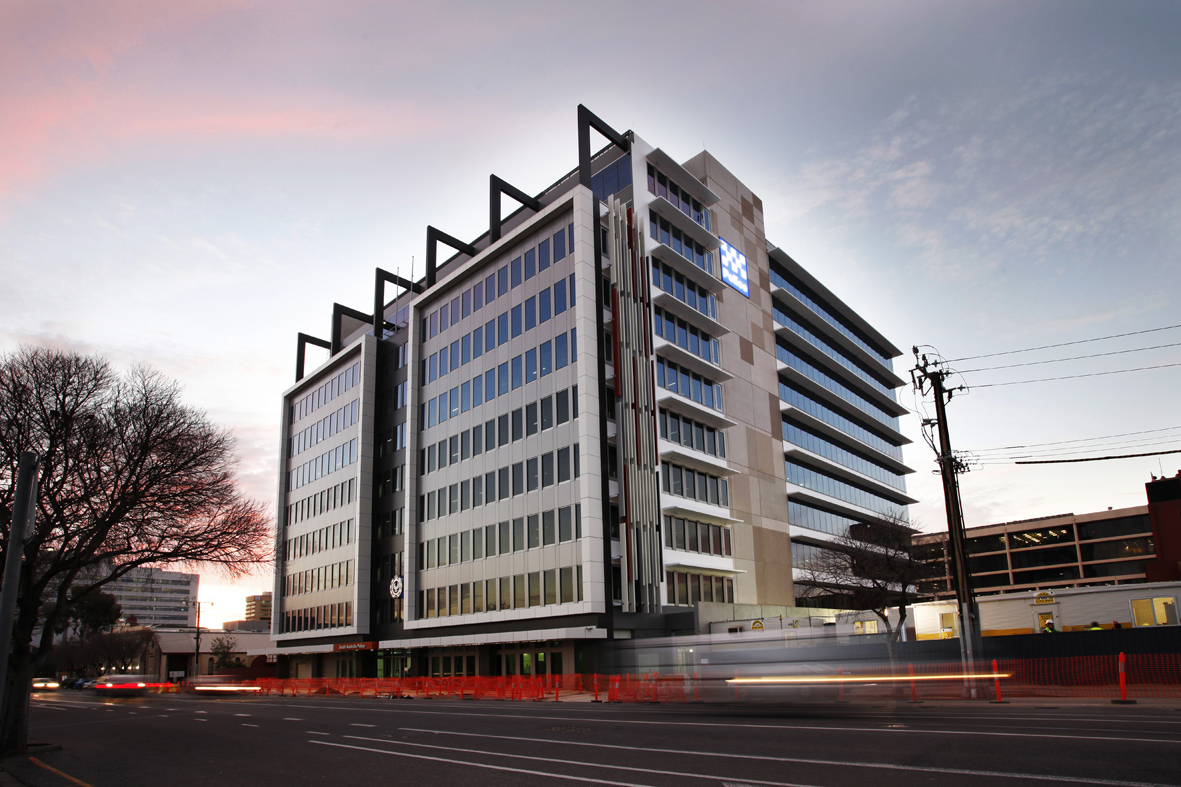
(930, 372)
(24, 507)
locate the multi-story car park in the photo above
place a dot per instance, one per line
(620, 401)
(1113, 547)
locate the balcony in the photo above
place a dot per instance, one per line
(683, 266)
(719, 564)
(839, 373)
(688, 227)
(681, 455)
(695, 509)
(842, 438)
(682, 357)
(702, 322)
(691, 409)
(681, 176)
(845, 474)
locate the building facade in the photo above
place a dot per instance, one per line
(258, 607)
(1114, 547)
(157, 598)
(619, 402)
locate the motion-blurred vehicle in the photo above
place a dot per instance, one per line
(121, 686)
(45, 684)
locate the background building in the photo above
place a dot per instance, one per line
(1113, 547)
(157, 598)
(620, 402)
(258, 607)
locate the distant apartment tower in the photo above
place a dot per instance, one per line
(620, 401)
(258, 607)
(1114, 547)
(157, 598)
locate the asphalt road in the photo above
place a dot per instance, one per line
(182, 740)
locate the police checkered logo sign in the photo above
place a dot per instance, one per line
(734, 268)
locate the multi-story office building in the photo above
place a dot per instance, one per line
(157, 598)
(620, 401)
(258, 606)
(1113, 547)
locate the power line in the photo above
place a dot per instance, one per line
(1065, 344)
(1078, 440)
(1094, 458)
(1077, 376)
(1072, 358)
(1169, 440)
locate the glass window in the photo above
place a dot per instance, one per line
(563, 464)
(506, 542)
(533, 530)
(531, 418)
(565, 524)
(531, 478)
(559, 296)
(490, 335)
(502, 429)
(542, 256)
(535, 589)
(547, 412)
(478, 297)
(519, 534)
(530, 365)
(543, 305)
(502, 329)
(518, 422)
(530, 264)
(563, 402)
(477, 342)
(518, 373)
(518, 478)
(490, 540)
(546, 358)
(530, 313)
(516, 320)
(502, 379)
(561, 350)
(515, 272)
(547, 469)
(548, 534)
(502, 281)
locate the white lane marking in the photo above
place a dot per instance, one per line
(200, 711)
(249, 725)
(289, 718)
(247, 715)
(362, 725)
(313, 732)
(798, 760)
(805, 727)
(47, 707)
(573, 762)
(481, 765)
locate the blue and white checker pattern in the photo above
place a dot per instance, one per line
(734, 268)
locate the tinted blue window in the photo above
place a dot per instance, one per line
(542, 256)
(571, 289)
(502, 281)
(502, 379)
(431, 412)
(465, 394)
(454, 355)
(559, 245)
(515, 272)
(530, 313)
(454, 402)
(433, 367)
(477, 392)
(531, 365)
(516, 320)
(570, 237)
(502, 329)
(518, 380)
(530, 264)
(477, 297)
(560, 351)
(466, 299)
(560, 297)
(490, 289)
(465, 349)
(443, 408)
(573, 345)
(543, 307)
(444, 316)
(489, 385)
(444, 354)
(489, 335)
(477, 342)
(546, 358)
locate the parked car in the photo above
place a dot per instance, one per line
(121, 685)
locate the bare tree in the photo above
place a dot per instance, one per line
(130, 477)
(872, 567)
(120, 650)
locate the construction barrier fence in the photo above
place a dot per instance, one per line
(1139, 677)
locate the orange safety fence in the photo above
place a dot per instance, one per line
(1146, 676)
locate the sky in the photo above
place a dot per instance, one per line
(188, 185)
